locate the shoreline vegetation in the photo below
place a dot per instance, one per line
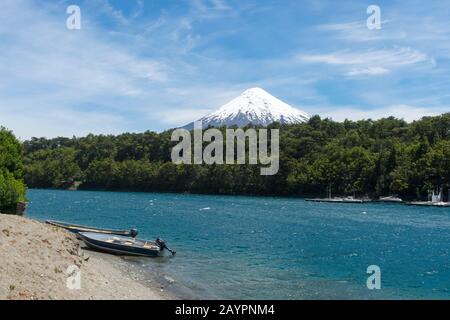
(12, 186)
(34, 262)
(362, 158)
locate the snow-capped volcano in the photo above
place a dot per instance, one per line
(255, 106)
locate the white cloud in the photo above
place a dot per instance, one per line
(48, 69)
(210, 8)
(372, 62)
(357, 31)
(57, 82)
(181, 117)
(124, 72)
(394, 57)
(370, 71)
(184, 105)
(406, 112)
(53, 121)
(105, 7)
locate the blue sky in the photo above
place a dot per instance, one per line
(139, 65)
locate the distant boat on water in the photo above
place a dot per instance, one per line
(339, 200)
(335, 199)
(349, 199)
(435, 201)
(353, 200)
(441, 204)
(392, 198)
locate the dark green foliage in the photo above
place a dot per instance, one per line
(12, 188)
(363, 157)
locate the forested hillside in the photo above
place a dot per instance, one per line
(364, 157)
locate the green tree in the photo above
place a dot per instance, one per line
(12, 187)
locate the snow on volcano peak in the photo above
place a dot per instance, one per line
(255, 106)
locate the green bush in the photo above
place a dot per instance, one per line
(12, 191)
(12, 187)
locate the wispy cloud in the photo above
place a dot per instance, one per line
(106, 8)
(394, 57)
(210, 6)
(405, 112)
(60, 69)
(181, 116)
(369, 71)
(52, 121)
(357, 31)
(373, 62)
(137, 65)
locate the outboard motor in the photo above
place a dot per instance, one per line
(134, 233)
(161, 243)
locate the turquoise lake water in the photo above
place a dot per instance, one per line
(274, 248)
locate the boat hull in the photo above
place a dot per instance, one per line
(118, 248)
(338, 200)
(430, 204)
(78, 229)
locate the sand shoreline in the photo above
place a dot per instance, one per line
(37, 260)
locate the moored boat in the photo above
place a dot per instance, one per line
(335, 199)
(352, 200)
(78, 228)
(440, 204)
(124, 245)
(390, 199)
(436, 200)
(339, 200)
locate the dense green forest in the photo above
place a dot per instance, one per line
(387, 156)
(12, 187)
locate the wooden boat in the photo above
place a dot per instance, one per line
(124, 245)
(77, 229)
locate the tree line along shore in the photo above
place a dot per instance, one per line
(365, 158)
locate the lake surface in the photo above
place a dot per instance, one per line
(274, 248)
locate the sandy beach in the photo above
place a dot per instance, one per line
(36, 261)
